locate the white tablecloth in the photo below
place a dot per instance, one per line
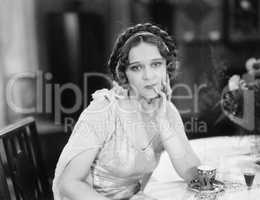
(230, 155)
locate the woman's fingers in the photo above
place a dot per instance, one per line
(160, 93)
(161, 111)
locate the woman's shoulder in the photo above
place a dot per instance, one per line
(104, 100)
(102, 105)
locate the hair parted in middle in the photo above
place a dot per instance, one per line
(133, 36)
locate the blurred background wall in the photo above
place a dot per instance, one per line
(18, 53)
(63, 39)
(215, 38)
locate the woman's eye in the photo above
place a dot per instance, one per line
(136, 68)
(156, 64)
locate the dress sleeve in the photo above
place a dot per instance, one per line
(177, 131)
(93, 127)
(176, 128)
(175, 119)
(91, 131)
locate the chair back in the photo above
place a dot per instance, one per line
(24, 164)
(4, 192)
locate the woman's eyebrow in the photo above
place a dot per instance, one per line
(154, 59)
(134, 63)
(157, 59)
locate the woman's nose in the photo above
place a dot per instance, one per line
(147, 73)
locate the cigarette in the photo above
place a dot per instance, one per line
(156, 90)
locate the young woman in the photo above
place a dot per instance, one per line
(118, 139)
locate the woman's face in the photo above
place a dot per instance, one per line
(146, 70)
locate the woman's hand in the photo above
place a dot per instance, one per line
(160, 112)
(165, 95)
(161, 116)
(155, 107)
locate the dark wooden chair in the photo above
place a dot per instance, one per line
(4, 192)
(22, 162)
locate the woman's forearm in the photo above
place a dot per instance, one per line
(184, 161)
(79, 190)
(182, 156)
(186, 166)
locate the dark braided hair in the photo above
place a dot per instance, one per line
(119, 55)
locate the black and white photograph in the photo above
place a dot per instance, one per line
(129, 99)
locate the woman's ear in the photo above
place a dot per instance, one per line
(122, 78)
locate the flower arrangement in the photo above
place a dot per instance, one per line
(233, 99)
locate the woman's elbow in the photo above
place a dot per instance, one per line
(65, 185)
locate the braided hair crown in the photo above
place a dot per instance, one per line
(115, 56)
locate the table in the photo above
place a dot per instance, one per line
(229, 154)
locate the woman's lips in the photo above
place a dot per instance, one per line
(152, 86)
